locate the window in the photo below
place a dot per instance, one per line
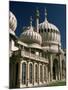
(36, 73)
(30, 73)
(41, 30)
(24, 73)
(45, 30)
(48, 29)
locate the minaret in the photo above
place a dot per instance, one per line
(31, 27)
(45, 14)
(37, 20)
(31, 21)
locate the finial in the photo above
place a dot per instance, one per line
(31, 21)
(45, 14)
(37, 13)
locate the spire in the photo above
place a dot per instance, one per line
(37, 20)
(45, 14)
(31, 27)
(31, 21)
(37, 13)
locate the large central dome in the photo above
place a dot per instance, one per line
(30, 36)
(49, 32)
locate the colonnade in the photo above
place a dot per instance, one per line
(38, 70)
(28, 73)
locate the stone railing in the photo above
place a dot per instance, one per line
(33, 56)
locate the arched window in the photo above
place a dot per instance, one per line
(48, 29)
(55, 69)
(36, 72)
(41, 73)
(45, 30)
(24, 73)
(41, 30)
(30, 73)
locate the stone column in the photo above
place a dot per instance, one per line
(33, 73)
(38, 73)
(60, 62)
(43, 73)
(27, 74)
(19, 74)
(51, 68)
(46, 73)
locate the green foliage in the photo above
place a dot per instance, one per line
(57, 83)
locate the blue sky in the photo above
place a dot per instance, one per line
(56, 15)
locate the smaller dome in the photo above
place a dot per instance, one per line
(30, 36)
(49, 32)
(12, 21)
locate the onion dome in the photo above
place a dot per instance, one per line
(49, 32)
(12, 21)
(30, 36)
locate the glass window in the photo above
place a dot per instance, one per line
(48, 29)
(24, 73)
(41, 30)
(41, 73)
(36, 73)
(45, 30)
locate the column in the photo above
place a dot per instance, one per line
(60, 67)
(33, 73)
(38, 73)
(46, 73)
(43, 73)
(19, 74)
(27, 74)
(51, 68)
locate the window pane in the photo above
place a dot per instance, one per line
(40, 73)
(36, 73)
(24, 73)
